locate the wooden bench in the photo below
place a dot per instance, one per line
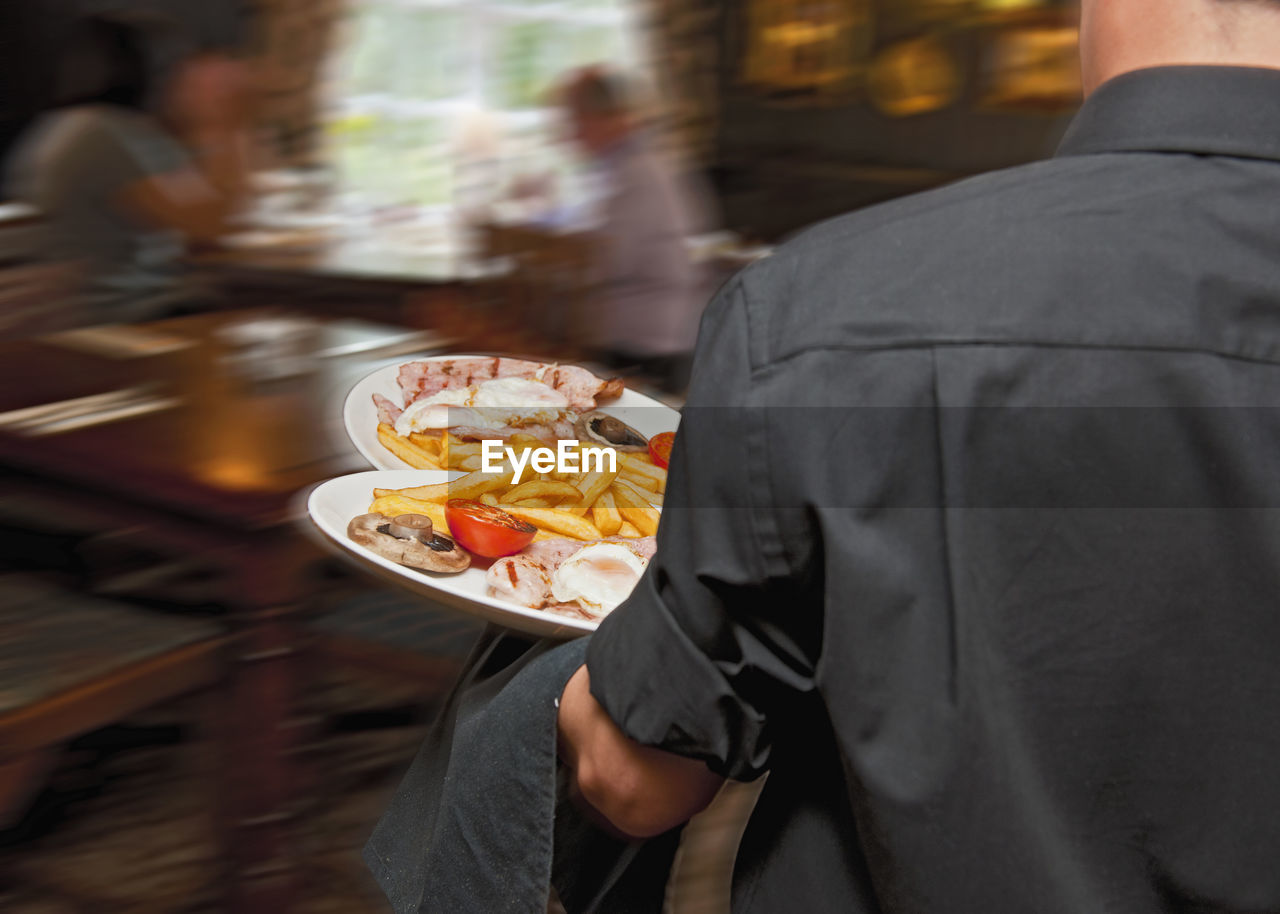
(70, 664)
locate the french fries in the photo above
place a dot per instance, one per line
(645, 495)
(591, 486)
(557, 521)
(640, 469)
(635, 508)
(406, 449)
(427, 443)
(473, 485)
(541, 489)
(460, 450)
(437, 494)
(604, 513)
(640, 482)
(624, 501)
(394, 505)
(449, 452)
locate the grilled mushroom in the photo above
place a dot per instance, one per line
(419, 547)
(600, 428)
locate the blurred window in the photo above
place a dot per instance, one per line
(412, 79)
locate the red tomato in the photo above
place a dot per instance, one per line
(660, 448)
(486, 530)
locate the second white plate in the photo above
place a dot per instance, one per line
(645, 414)
(331, 506)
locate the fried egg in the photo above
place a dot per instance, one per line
(491, 404)
(598, 577)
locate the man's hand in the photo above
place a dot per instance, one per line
(640, 790)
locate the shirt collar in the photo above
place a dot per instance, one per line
(1232, 111)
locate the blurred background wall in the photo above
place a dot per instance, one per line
(824, 107)
(796, 109)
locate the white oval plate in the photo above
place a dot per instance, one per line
(331, 506)
(645, 414)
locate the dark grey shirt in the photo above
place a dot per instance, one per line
(972, 540)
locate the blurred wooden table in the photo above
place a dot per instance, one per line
(546, 285)
(208, 456)
(337, 274)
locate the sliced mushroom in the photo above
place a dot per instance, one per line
(411, 527)
(600, 428)
(434, 553)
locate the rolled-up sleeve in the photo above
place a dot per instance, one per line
(715, 640)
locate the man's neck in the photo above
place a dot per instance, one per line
(1128, 35)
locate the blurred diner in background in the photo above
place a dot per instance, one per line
(144, 154)
(216, 218)
(649, 294)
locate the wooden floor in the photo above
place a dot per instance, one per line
(127, 831)
(130, 830)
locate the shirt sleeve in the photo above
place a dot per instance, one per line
(109, 150)
(148, 149)
(713, 643)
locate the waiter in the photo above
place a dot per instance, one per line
(971, 539)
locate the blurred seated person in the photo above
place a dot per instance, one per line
(145, 153)
(649, 294)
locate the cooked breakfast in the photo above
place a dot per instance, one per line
(579, 387)
(576, 544)
(570, 536)
(468, 399)
(586, 579)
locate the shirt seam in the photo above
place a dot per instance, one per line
(978, 343)
(765, 525)
(944, 528)
(1086, 152)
